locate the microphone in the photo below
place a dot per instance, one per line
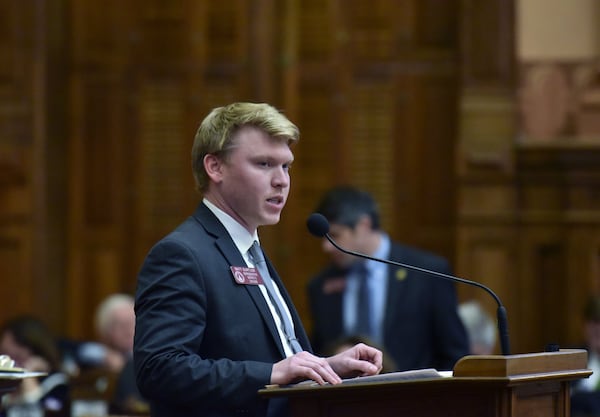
(319, 226)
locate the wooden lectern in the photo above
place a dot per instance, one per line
(526, 385)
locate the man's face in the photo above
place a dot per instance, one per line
(10, 347)
(122, 328)
(346, 237)
(252, 182)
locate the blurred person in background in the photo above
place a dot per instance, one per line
(411, 314)
(29, 342)
(114, 323)
(111, 355)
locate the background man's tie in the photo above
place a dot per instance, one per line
(259, 262)
(363, 312)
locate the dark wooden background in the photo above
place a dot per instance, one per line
(414, 100)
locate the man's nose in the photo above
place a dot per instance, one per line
(327, 246)
(281, 177)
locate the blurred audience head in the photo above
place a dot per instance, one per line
(115, 322)
(29, 342)
(354, 223)
(480, 326)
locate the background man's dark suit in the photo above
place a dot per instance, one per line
(213, 336)
(421, 326)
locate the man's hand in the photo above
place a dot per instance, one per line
(37, 364)
(303, 366)
(113, 360)
(359, 360)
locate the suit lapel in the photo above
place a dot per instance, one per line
(233, 257)
(332, 291)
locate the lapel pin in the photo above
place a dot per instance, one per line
(401, 274)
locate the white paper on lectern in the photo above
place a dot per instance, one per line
(427, 373)
(396, 376)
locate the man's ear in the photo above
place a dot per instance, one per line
(213, 167)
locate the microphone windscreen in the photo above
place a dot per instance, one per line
(317, 225)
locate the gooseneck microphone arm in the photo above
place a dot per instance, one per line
(319, 226)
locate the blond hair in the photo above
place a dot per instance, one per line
(216, 134)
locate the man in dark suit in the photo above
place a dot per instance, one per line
(214, 323)
(411, 315)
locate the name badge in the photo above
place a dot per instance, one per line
(246, 276)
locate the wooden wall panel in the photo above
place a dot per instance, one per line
(487, 44)
(17, 275)
(487, 223)
(371, 85)
(489, 260)
(583, 270)
(97, 195)
(138, 96)
(542, 271)
(16, 140)
(99, 103)
(100, 143)
(546, 207)
(559, 238)
(425, 138)
(32, 213)
(163, 156)
(372, 155)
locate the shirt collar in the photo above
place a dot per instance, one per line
(382, 252)
(241, 237)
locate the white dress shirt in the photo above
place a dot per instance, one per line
(243, 240)
(377, 283)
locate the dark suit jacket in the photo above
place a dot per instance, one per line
(204, 345)
(422, 328)
(126, 393)
(585, 404)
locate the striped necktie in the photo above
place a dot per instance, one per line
(261, 264)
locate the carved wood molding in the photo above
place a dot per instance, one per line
(11, 167)
(559, 100)
(559, 179)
